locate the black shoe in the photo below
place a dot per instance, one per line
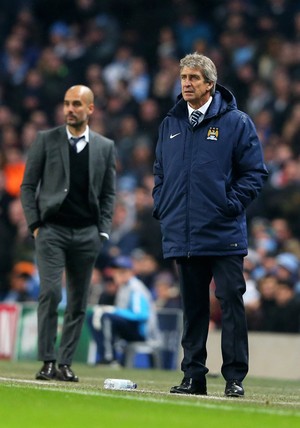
(66, 374)
(190, 386)
(234, 388)
(47, 372)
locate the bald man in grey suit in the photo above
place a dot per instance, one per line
(67, 193)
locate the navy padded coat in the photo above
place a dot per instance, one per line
(205, 178)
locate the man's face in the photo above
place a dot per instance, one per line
(194, 88)
(77, 108)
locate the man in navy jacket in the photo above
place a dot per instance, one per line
(207, 171)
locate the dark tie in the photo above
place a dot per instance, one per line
(196, 117)
(74, 141)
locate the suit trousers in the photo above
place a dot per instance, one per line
(195, 275)
(65, 257)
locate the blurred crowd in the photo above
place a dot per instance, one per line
(127, 52)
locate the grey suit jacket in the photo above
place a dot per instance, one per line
(46, 179)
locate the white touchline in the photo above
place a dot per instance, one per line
(133, 395)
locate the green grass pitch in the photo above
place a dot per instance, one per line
(28, 403)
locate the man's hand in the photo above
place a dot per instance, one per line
(35, 232)
(99, 311)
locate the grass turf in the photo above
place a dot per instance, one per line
(28, 403)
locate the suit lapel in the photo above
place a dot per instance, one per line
(64, 149)
(93, 158)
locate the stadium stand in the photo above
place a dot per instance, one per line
(131, 63)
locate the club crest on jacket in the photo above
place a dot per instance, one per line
(212, 134)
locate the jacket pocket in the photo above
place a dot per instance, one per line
(210, 185)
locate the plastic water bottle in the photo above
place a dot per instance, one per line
(119, 384)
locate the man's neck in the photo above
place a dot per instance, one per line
(198, 106)
(200, 102)
(76, 131)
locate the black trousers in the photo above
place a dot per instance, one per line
(195, 275)
(71, 251)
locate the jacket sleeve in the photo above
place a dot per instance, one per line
(158, 174)
(139, 308)
(249, 171)
(108, 191)
(31, 180)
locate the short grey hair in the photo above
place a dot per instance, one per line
(204, 64)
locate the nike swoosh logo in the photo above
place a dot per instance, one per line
(175, 135)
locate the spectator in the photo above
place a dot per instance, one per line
(123, 237)
(58, 34)
(109, 292)
(13, 170)
(149, 113)
(251, 296)
(282, 200)
(119, 68)
(189, 28)
(145, 267)
(21, 283)
(166, 291)
(96, 287)
(285, 240)
(101, 34)
(30, 95)
(13, 60)
(6, 234)
(287, 268)
(286, 311)
(56, 76)
(21, 243)
(291, 129)
(260, 314)
(102, 289)
(132, 318)
(139, 79)
(166, 44)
